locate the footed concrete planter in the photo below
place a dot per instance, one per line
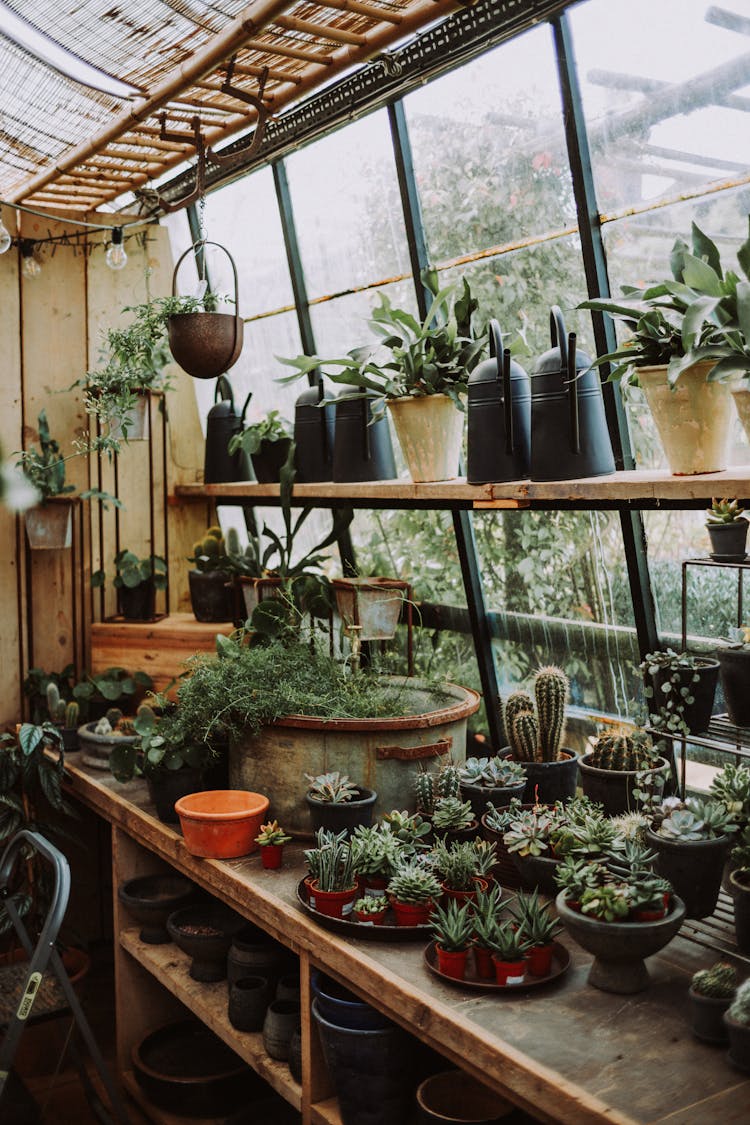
(382, 754)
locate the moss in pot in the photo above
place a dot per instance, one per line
(535, 729)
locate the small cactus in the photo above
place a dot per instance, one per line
(524, 736)
(740, 1009)
(71, 715)
(536, 737)
(424, 784)
(114, 717)
(210, 553)
(448, 781)
(718, 982)
(55, 705)
(232, 542)
(623, 752)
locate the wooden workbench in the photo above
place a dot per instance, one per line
(566, 1053)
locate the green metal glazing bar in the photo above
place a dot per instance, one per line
(463, 526)
(597, 282)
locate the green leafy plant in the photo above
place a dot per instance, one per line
(667, 704)
(113, 685)
(414, 883)
(45, 468)
(331, 788)
(576, 875)
(435, 356)
(271, 833)
(370, 905)
(270, 428)
(163, 746)
(732, 787)
(410, 829)
(377, 851)
(131, 571)
(724, 511)
(718, 982)
(452, 926)
(700, 314)
(536, 735)
(741, 850)
(507, 942)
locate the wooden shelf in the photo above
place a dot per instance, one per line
(637, 488)
(171, 967)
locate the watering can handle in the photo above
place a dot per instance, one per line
(366, 429)
(503, 371)
(575, 431)
(558, 335)
(323, 415)
(223, 390)
(203, 242)
(244, 408)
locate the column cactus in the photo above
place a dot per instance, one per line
(448, 783)
(71, 715)
(424, 785)
(524, 736)
(55, 704)
(551, 692)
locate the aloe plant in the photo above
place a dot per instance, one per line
(452, 926)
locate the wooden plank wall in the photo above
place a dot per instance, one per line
(51, 327)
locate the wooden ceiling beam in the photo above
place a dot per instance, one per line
(322, 31)
(287, 51)
(361, 8)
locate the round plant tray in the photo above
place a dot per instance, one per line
(560, 965)
(389, 931)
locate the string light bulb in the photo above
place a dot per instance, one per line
(116, 258)
(5, 239)
(30, 267)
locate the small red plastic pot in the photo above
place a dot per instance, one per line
(483, 963)
(509, 972)
(480, 886)
(272, 856)
(411, 913)
(371, 919)
(334, 904)
(539, 960)
(452, 962)
(221, 823)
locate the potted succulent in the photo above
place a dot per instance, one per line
(612, 769)
(268, 442)
(134, 362)
(457, 864)
(97, 739)
(337, 804)
(681, 350)
(486, 916)
(136, 581)
(539, 927)
(49, 526)
(727, 530)
(672, 709)
(494, 780)
(96, 692)
(691, 839)
(452, 927)
(271, 840)
(370, 911)
(710, 994)
(411, 830)
(737, 1021)
(576, 875)
(430, 787)
(734, 673)
(509, 948)
(377, 854)
(423, 377)
(453, 819)
(535, 736)
(334, 882)
(739, 885)
(412, 892)
(211, 579)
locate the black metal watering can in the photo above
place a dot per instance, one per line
(499, 417)
(313, 434)
(222, 424)
(362, 449)
(569, 436)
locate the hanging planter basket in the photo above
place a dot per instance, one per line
(206, 344)
(50, 526)
(134, 424)
(372, 603)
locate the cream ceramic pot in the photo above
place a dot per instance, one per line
(693, 418)
(429, 430)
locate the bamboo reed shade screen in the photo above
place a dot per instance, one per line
(70, 148)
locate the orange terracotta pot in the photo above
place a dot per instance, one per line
(221, 823)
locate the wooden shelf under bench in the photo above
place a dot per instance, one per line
(567, 1053)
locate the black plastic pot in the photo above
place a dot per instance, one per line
(739, 882)
(249, 998)
(694, 868)
(697, 714)
(137, 602)
(611, 788)
(371, 1071)
(344, 815)
(734, 669)
(211, 595)
(205, 933)
(167, 788)
(728, 540)
(270, 460)
(706, 1017)
(547, 782)
(537, 872)
(499, 796)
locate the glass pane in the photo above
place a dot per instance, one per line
(489, 148)
(662, 118)
(557, 585)
(340, 325)
(638, 251)
(347, 208)
(244, 217)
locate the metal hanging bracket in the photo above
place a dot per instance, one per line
(195, 139)
(256, 101)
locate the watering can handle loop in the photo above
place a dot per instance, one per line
(503, 373)
(558, 335)
(223, 390)
(244, 408)
(202, 243)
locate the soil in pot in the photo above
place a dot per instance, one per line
(211, 595)
(342, 816)
(453, 1097)
(728, 540)
(739, 882)
(167, 787)
(151, 899)
(734, 669)
(612, 788)
(694, 868)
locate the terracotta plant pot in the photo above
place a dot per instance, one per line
(693, 418)
(452, 962)
(371, 919)
(221, 823)
(481, 886)
(429, 430)
(49, 527)
(334, 904)
(483, 963)
(374, 604)
(453, 1097)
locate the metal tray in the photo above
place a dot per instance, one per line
(387, 932)
(560, 965)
